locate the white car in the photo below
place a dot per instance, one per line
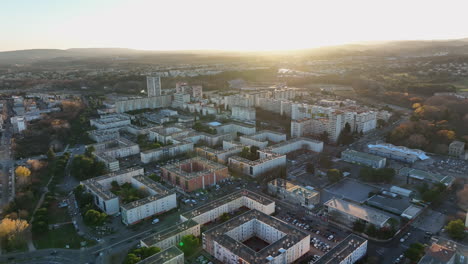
(155, 221)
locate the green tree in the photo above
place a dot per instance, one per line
(310, 168)
(456, 229)
(94, 218)
(415, 252)
(371, 230)
(50, 155)
(334, 175)
(325, 161)
(359, 226)
(224, 217)
(189, 244)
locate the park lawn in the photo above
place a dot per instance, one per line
(60, 237)
(58, 215)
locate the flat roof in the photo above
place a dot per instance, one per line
(342, 250)
(293, 235)
(168, 232)
(226, 199)
(210, 166)
(426, 175)
(395, 205)
(160, 192)
(162, 256)
(294, 188)
(367, 214)
(363, 155)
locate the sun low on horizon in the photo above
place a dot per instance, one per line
(224, 25)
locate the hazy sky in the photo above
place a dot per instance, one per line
(222, 24)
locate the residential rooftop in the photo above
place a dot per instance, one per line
(342, 250)
(157, 192)
(163, 256)
(292, 236)
(168, 232)
(208, 165)
(226, 199)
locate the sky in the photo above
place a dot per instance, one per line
(224, 25)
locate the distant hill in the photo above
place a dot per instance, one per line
(381, 48)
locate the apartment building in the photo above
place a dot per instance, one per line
(243, 113)
(286, 243)
(227, 204)
(363, 158)
(193, 174)
(158, 199)
(153, 85)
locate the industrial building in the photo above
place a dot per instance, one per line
(193, 174)
(347, 213)
(417, 176)
(399, 153)
(293, 193)
(228, 242)
(158, 199)
(362, 158)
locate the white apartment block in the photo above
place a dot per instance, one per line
(311, 126)
(176, 149)
(294, 145)
(109, 151)
(281, 107)
(171, 236)
(180, 99)
(158, 200)
(153, 84)
(234, 128)
(262, 138)
(143, 103)
(172, 255)
(19, 123)
(243, 100)
(286, 243)
(348, 251)
(254, 168)
(227, 204)
(243, 113)
(111, 121)
(104, 134)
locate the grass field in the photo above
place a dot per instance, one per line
(60, 237)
